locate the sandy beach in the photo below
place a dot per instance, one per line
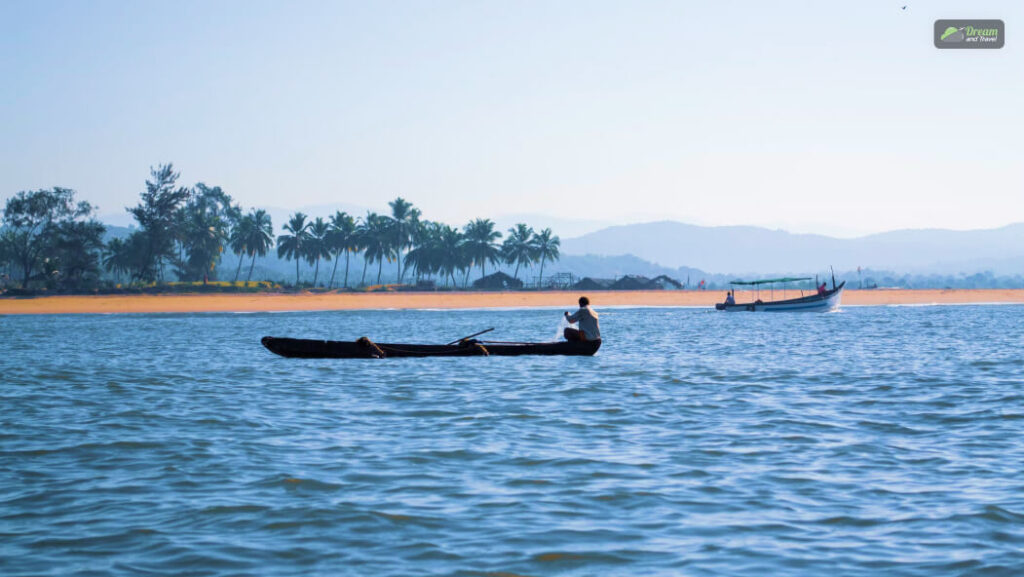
(181, 303)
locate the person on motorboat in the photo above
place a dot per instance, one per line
(821, 289)
(729, 299)
(589, 328)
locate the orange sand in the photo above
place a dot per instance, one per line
(346, 301)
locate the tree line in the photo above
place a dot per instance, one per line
(49, 239)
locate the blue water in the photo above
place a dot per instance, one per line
(880, 440)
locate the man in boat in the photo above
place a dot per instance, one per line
(821, 289)
(590, 329)
(729, 299)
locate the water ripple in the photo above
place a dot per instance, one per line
(876, 441)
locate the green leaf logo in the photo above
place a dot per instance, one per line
(952, 34)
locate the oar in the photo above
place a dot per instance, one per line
(471, 336)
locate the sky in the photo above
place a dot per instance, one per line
(836, 118)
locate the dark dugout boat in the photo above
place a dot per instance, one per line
(364, 348)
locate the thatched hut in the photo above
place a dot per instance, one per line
(497, 281)
(593, 284)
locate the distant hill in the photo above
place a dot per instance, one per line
(754, 250)
(719, 254)
(114, 231)
(563, 227)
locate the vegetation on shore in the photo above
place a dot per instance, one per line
(49, 240)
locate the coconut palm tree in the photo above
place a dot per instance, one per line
(481, 243)
(363, 240)
(405, 218)
(207, 217)
(378, 241)
(293, 246)
(260, 236)
(451, 253)
(117, 258)
(342, 239)
(318, 246)
(425, 257)
(517, 248)
(238, 241)
(546, 246)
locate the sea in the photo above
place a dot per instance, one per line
(868, 441)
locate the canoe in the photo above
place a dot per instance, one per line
(366, 349)
(812, 303)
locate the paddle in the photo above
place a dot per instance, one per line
(471, 336)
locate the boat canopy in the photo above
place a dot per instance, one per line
(769, 280)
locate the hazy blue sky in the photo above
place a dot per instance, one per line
(810, 116)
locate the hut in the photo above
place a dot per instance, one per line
(634, 283)
(593, 284)
(497, 281)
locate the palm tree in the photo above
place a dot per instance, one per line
(481, 245)
(405, 218)
(517, 248)
(452, 253)
(261, 236)
(342, 239)
(425, 257)
(378, 241)
(317, 246)
(546, 246)
(363, 240)
(238, 241)
(207, 217)
(116, 258)
(179, 235)
(293, 245)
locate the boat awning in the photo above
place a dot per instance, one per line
(769, 280)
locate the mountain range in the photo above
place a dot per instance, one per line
(746, 250)
(685, 250)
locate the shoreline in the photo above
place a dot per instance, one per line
(276, 302)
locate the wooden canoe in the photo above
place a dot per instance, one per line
(366, 349)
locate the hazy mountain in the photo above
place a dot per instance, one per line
(117, 219)
(681, 250)
(112, 232)
(563, 227)
(611, 267)
(747, 249)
